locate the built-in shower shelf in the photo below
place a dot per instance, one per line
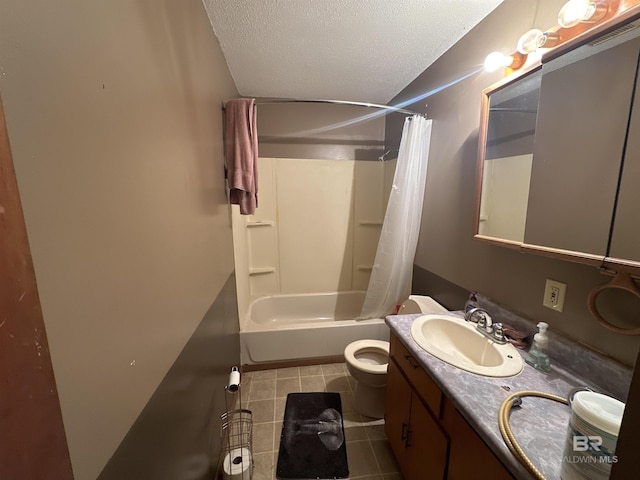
(264, 223)
(364, 267)
(261, 271)
(370, 222)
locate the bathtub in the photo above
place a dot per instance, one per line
(297, 326)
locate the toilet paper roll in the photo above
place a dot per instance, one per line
(237, 464)
(234, 380)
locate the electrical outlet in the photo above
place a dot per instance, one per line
(554, 293)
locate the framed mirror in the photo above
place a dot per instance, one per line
(560, 152)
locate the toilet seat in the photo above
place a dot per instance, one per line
(361, 346)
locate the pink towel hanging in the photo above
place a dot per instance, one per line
(241, 153)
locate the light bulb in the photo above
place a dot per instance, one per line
(534, 39)
(576, 11)
(529, 42)
(497, 60)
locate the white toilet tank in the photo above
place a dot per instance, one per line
(421, 304)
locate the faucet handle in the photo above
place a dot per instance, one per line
(485, 319)
(498, 332)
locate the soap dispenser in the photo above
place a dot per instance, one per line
(537, 356)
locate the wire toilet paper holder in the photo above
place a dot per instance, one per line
(236, 431)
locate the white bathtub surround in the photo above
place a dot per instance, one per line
(296, 326)
(390, 281)
(316, 228)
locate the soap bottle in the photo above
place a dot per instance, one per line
(471, 303)
(537, 356)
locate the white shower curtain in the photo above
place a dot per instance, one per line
(390, 282)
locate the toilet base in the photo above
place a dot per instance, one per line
(369, 401)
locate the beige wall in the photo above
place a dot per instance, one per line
(113, 112)
(446, 246)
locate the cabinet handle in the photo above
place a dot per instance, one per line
(403, 434)
(409, 359)
(406, 442)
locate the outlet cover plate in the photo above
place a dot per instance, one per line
(554, 294)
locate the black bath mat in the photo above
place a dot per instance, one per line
(312, 443)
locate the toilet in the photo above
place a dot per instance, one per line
(420, 304)
(367, 361)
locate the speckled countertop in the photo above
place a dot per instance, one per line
(539, 425)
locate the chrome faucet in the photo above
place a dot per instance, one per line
(485, 325)
(479, 316)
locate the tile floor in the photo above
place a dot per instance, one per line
(265, 392)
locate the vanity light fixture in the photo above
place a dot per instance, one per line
(577, 11)
(497, 60)
(534, 39)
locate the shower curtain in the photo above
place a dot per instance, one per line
(390, 281)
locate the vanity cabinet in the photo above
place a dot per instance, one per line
(414, 435)
(428, 436)
(469, 456)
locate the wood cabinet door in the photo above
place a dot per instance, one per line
(469, 456)
(418, 443)
(426, 445)
(397, 411)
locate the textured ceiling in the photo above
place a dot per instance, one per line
(358, 50)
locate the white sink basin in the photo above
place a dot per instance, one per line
(458, 343)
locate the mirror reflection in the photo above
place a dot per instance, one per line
(508, 159)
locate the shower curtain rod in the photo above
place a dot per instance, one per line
(265, 101)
